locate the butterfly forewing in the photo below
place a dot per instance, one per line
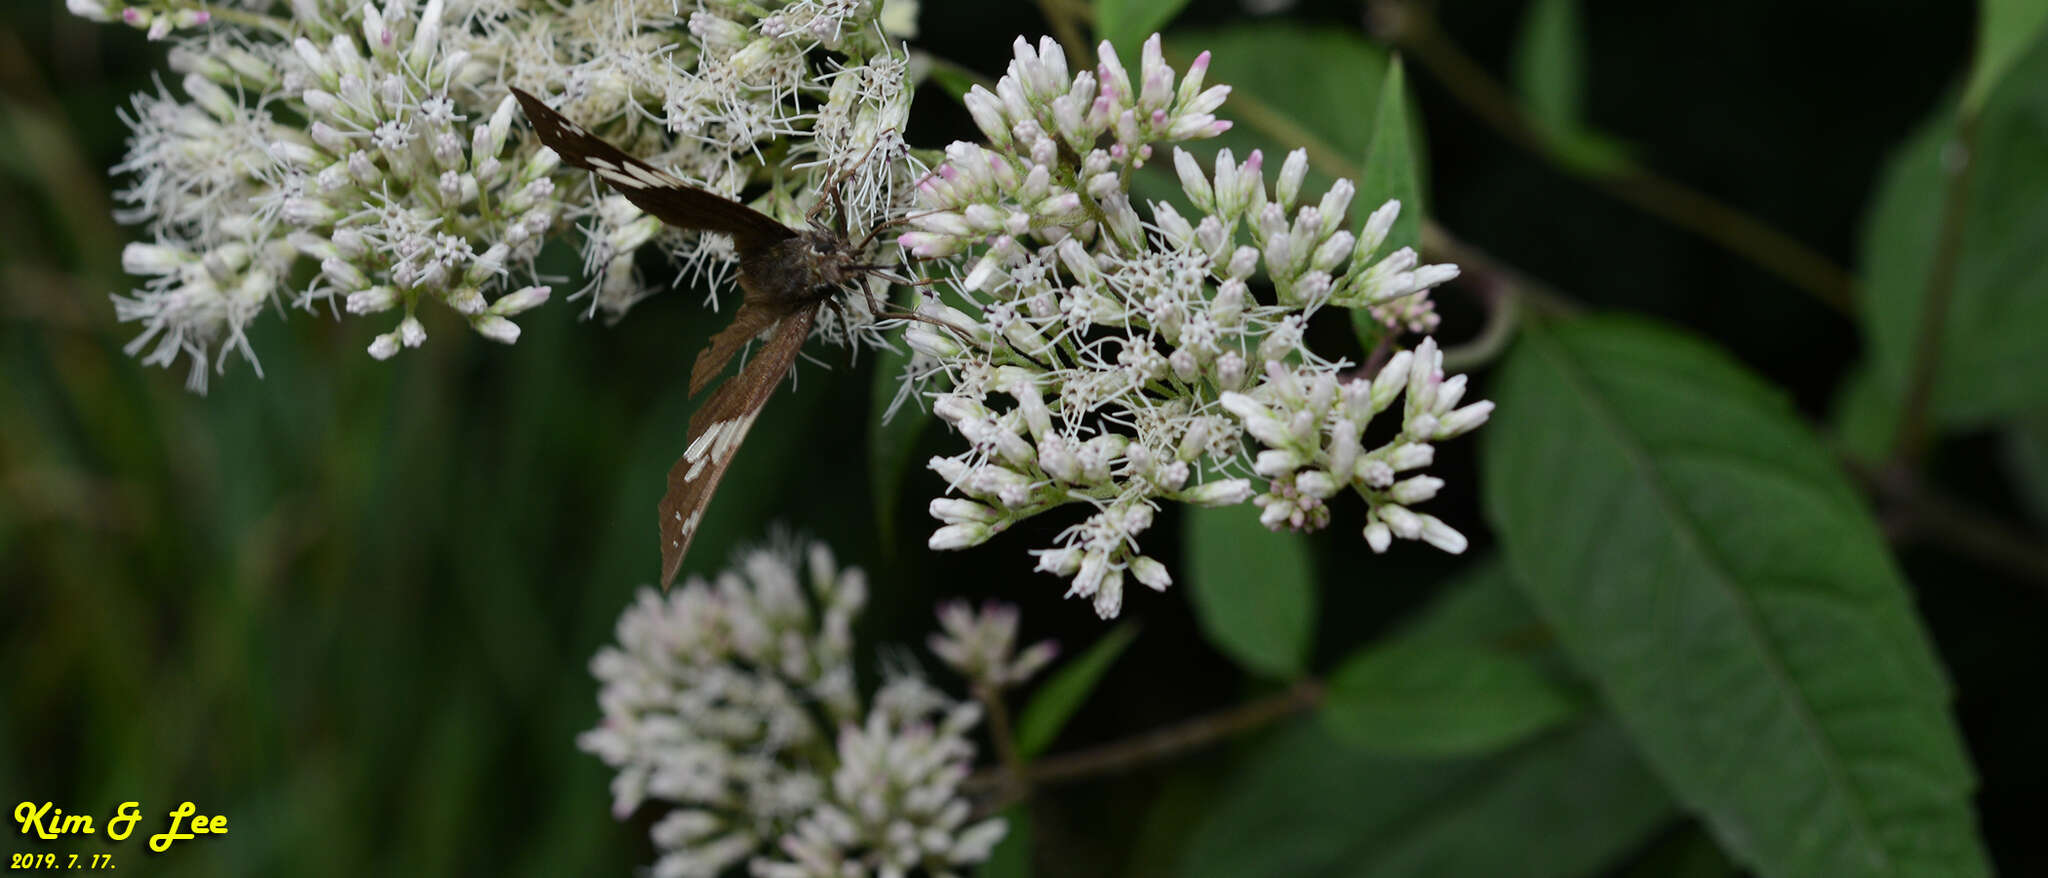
(715, 434)
(658, 192)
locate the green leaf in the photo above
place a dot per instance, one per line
(1390, 175)
(1701, 557)
(1549, 70)
(1471, 674)
(1424, 699)
(1126, 24)
(1865, 419)
(1549, 64)
(1478, 607)
(1055, 702)
(1565, 805)
(1390, 162)
(1012, 856)
(1991, 350)
(2005, 30)
(892, 438)
(952, 80)
(1254, 591)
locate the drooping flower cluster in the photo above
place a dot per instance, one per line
(733, 704)
(982, 646)
(1112, 361)
(368, 156)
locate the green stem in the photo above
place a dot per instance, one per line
(1166, 742)
(1958, 159)
(1015, 781)
(1415, 30)
(1503, 318)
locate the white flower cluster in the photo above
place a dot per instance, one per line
(734, 704)
(982, 645)
(377, 143)
(1106, 360)
(711, 94)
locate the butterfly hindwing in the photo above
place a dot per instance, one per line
(716, 431)
(658, 192)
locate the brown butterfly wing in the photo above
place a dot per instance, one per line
(661, 194)
(716, 431)
(753, 319)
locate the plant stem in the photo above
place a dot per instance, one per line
(1920, 511)
(1414, 29)
(1503, 317)
(1957, 159)
(1159, 744)
(1014, 782)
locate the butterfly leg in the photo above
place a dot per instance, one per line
(839, 180)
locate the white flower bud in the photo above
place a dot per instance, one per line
(1334, 205)
(1392, 378)
(1292, 171)
(1464, 420)
(1376, 228)
(344, 274)
(953, 537)
(100, 11)
(308, 212)
(520, 301)
(1412, 455)
(953, 470)
(957, 511)
(1274, 516)
(1317, 484)
(467, 301)
(1109, 596)
(1405, 524)
(988, 116)
(1373, 472)
(1059, 562)
(1442, 536)
(1222, 492)
(372, 300)
(1276, 462)
(1378, 537)
(153, 259)
(1409, 492)
(496, 328)
(1153, 574)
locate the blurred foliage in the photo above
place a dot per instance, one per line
(350, 604)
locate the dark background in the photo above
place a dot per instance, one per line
(351, 604)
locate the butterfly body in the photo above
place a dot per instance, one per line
(808, 268)
(787, 276)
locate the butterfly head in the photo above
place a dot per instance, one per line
(833, 258)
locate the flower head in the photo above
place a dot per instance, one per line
(732, 703)
(982, 645)
(367, 157)
(1118, 359)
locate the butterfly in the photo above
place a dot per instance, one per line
(787, 276)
